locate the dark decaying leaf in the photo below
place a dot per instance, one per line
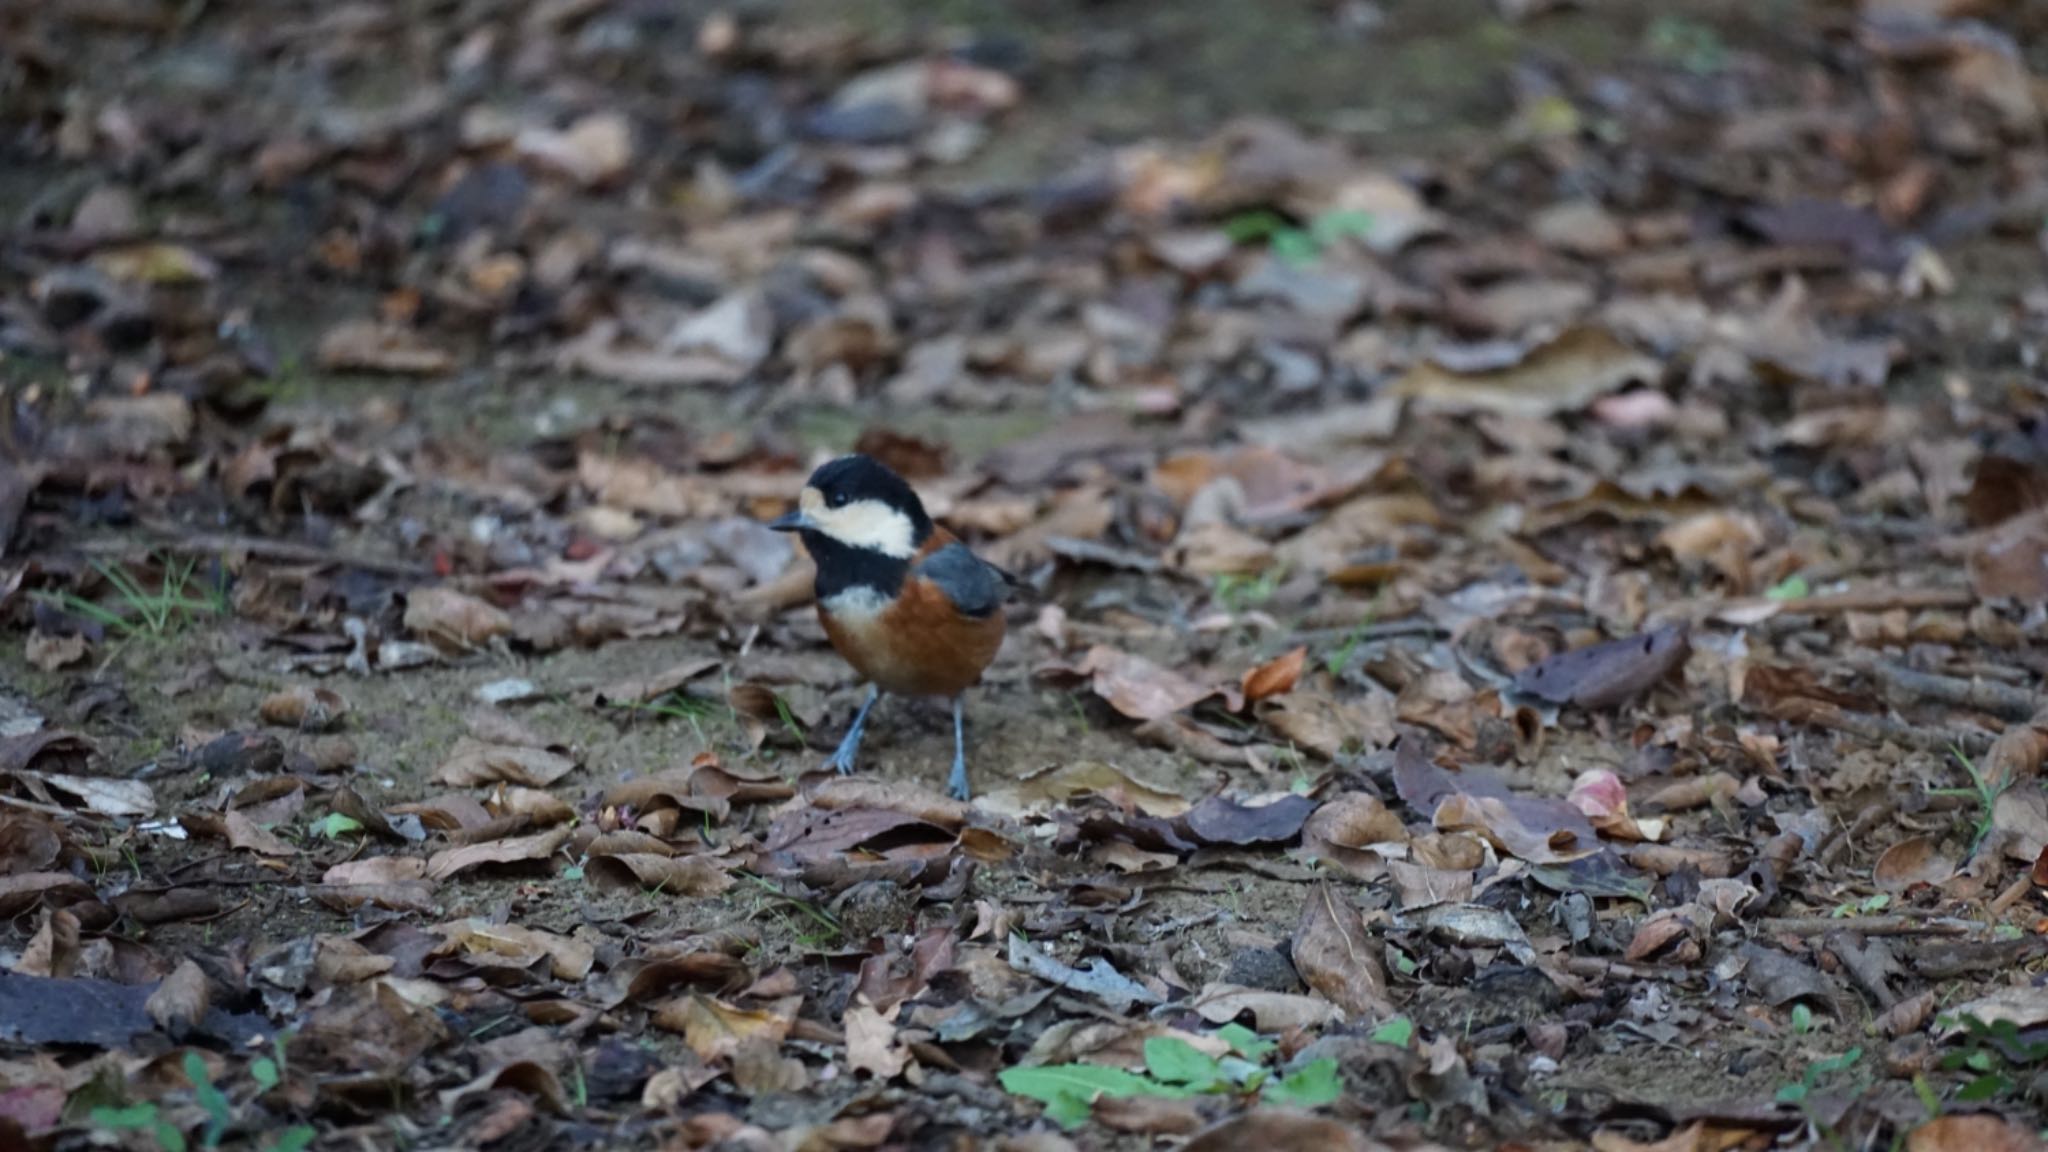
(1604, 675)
(1536, 829)
(809, 835)
(1269, 820)
(103, 1014)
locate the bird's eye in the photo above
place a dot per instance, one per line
(837, 499)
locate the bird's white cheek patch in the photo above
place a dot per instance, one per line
(868, 524)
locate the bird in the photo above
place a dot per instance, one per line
(910, 607)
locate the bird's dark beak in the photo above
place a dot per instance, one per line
(792, 521)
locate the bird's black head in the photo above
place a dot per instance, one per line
(855, 502)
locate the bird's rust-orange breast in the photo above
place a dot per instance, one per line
(919, 644)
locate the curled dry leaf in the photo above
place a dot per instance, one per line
(1911, 863)
(376, 870)
(453, 620)
(1563, 375)
(1268, 1011)
(246, 834)
(1137, 687)
(2017, 755)
(517, 849)
(28, 843)
(306, 708)
(810, 835)
(645, 689)
(568, 957)
(1972, 1132)
(669, 875)
(1342, 831)
(717, 1030)
(1539, 831)
(368, 346)
(50, 653)
(871, 1044)
(2020, 815)
(2011, 561)
(180, 1000)
(1603, 798)
(1327, 726)
(472, 762)
(1604, 675)
(1275, 676)
(1337, 956)
(908, 797)
(1055, 786)
(101, 795)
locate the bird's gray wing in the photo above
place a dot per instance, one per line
(974, 586)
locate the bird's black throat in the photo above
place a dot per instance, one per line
(842, 567)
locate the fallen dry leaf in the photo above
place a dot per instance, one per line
(180, 1002)
(1564, 375)
(1135, 686)
(1601, 796)
(1055, 786)
(1605, 675)
(50, 653)
(717, 1030)
(306, 708)
(871, 1044)
(1268, 1011)
(368, 346)
(453, 620)
(1275, 676)
(1978, 1132)
(517, 849)
(1336, 955)
(670, 875)
(472, 762)
(1342, 831)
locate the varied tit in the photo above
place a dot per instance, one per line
(910, 607)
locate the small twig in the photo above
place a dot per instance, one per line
(1879, 599)
(1867, 925)
(45, 809)
(1903, 685)
(1594, 966)
(1972, 741)
(1867, 599)
(2013, 894)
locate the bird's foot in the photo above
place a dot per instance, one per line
(842, 760)
(956, 784)
(849, 744)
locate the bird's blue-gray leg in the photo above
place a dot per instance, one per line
(956, 784)
(849, 746)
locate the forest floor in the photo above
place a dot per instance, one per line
(1534, 520)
